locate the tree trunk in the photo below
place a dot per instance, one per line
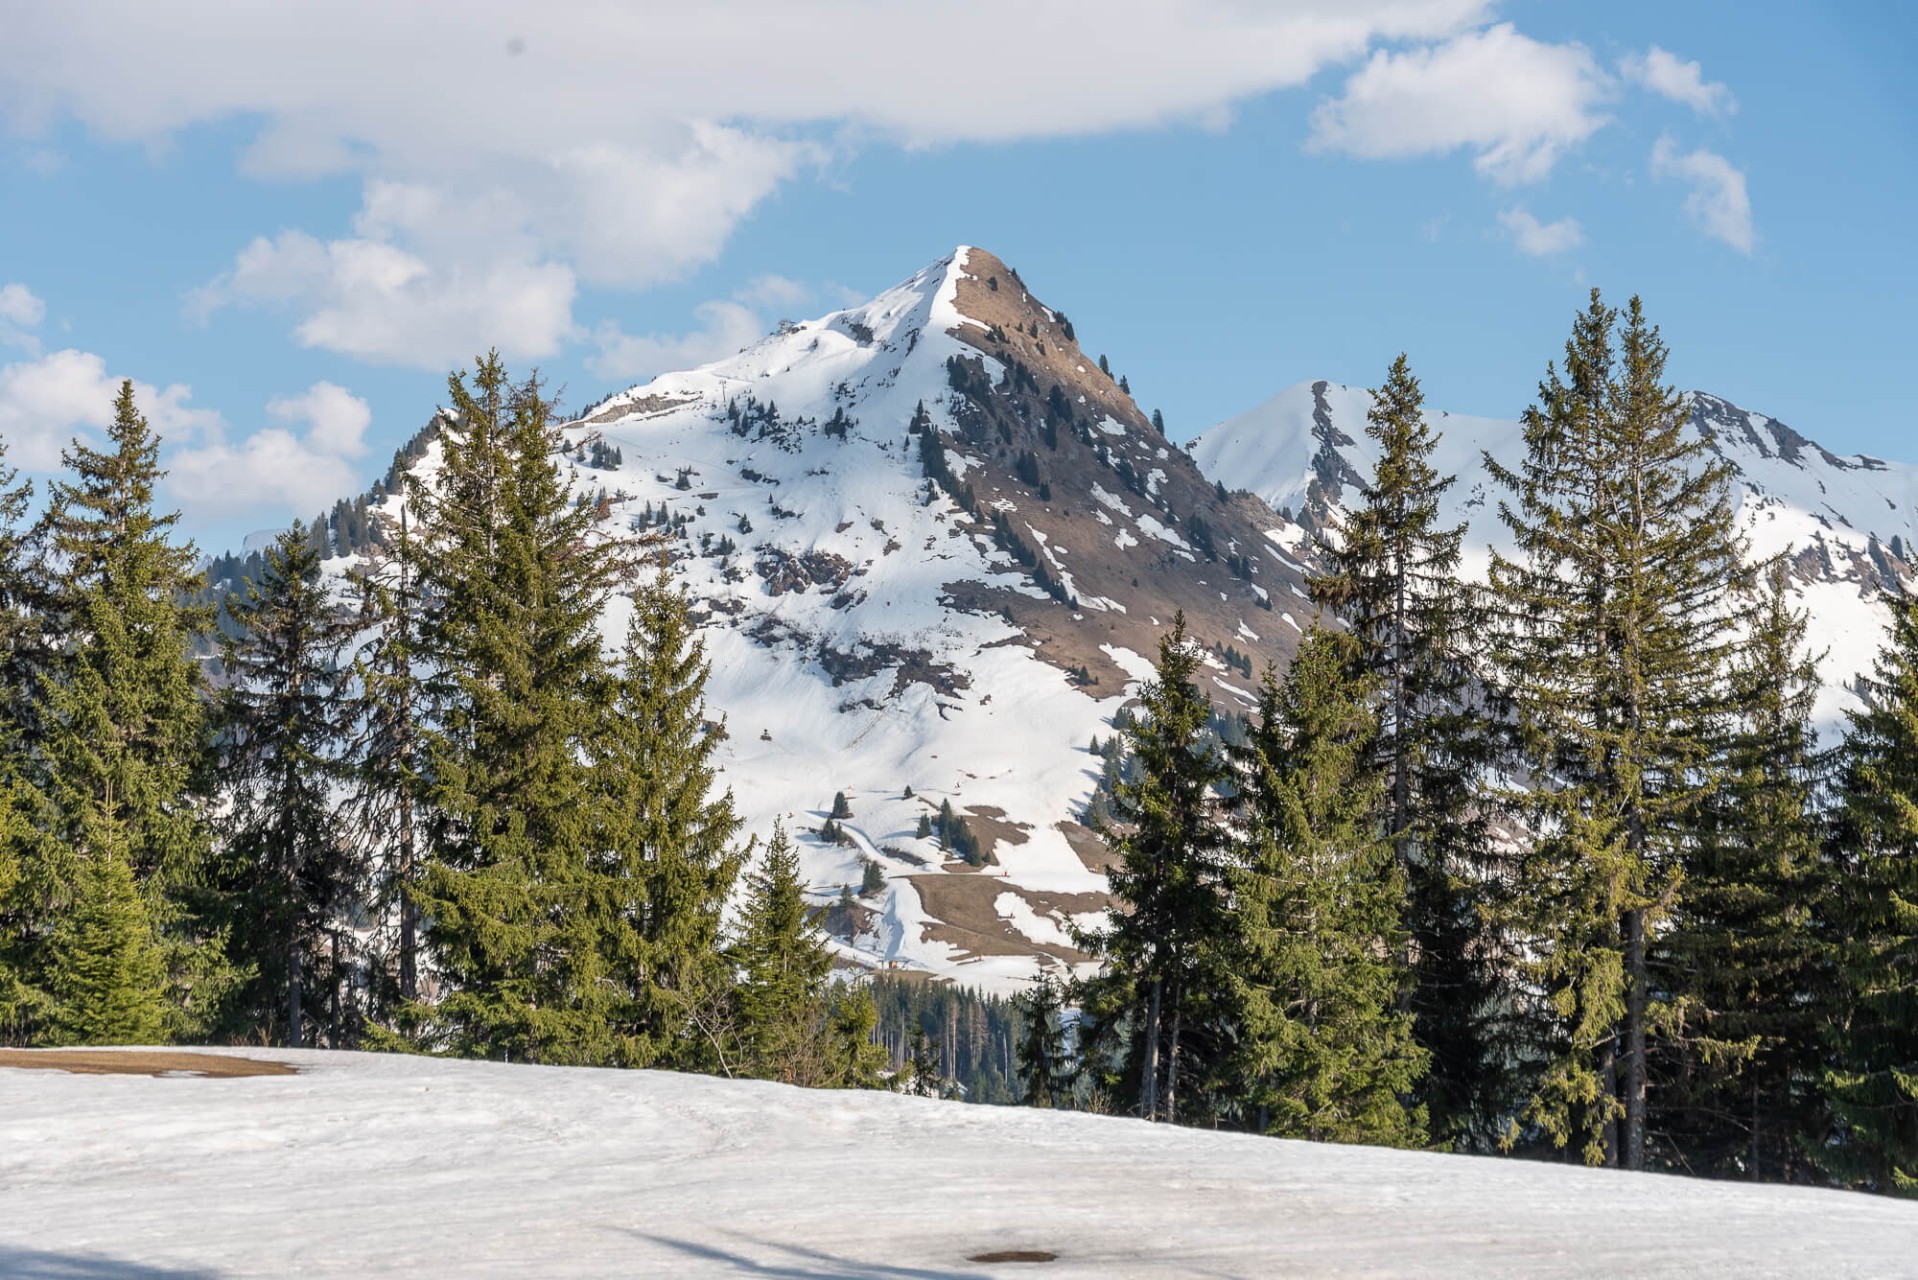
(295, 1018)
(1149, 1068)
(409, 914)
(1635, 1039)
(1172, 1062)
(1608, 1077)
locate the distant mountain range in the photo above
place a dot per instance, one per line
(1848, 524)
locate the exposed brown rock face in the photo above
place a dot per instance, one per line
(1061, 468)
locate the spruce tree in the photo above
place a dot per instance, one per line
(1617, 621)
(1325, 1049)
(1392, 577)
(668, 861)
(384, 816)
(123, 768)
(284, 718)
(108, 978)
(796, 1024)
(1159, 943)
(23, 998)
(21, 638)
(1871, 1085)
(925, 1081)
(1742, 957)
(518, 573)
(1044, 1064)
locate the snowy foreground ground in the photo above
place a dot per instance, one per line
(363, 1165)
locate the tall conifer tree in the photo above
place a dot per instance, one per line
(1872, 1084)
(1325, 1049)
(124, 772)
(384, 816)
(669, 861)
(22, 994)
(1160, 944)
(1044, 1063)
(284, 718)
(518, 574)
(1743, 958)
(1617, 625)
(1392, 577)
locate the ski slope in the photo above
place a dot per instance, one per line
(370, 1166)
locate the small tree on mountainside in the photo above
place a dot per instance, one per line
(1045, 1067)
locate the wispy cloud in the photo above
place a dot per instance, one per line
(20, 314)
(1718, 203)
(1683, 82)
(1540, 239)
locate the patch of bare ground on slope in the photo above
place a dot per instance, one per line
(142, 1062)
(966, 915)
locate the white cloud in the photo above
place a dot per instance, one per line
(20, 313)
(1517, 102)
(303, 462)
(278, 468)
(617, 145)
(775, 291)
(1682, 82)
(725, 327)
(381, 303)
(18, 306)
(1719, 202)
(46, 401)
(1540, 239)
(336, 418)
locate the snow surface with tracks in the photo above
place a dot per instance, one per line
(369, 1166)
(1306, 450)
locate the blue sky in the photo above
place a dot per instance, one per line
(289, 221)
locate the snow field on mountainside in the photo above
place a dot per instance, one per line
(371, 1166)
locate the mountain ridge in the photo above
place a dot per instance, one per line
(1847, 525)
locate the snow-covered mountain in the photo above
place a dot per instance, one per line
(947, 615)
(1847, 523)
